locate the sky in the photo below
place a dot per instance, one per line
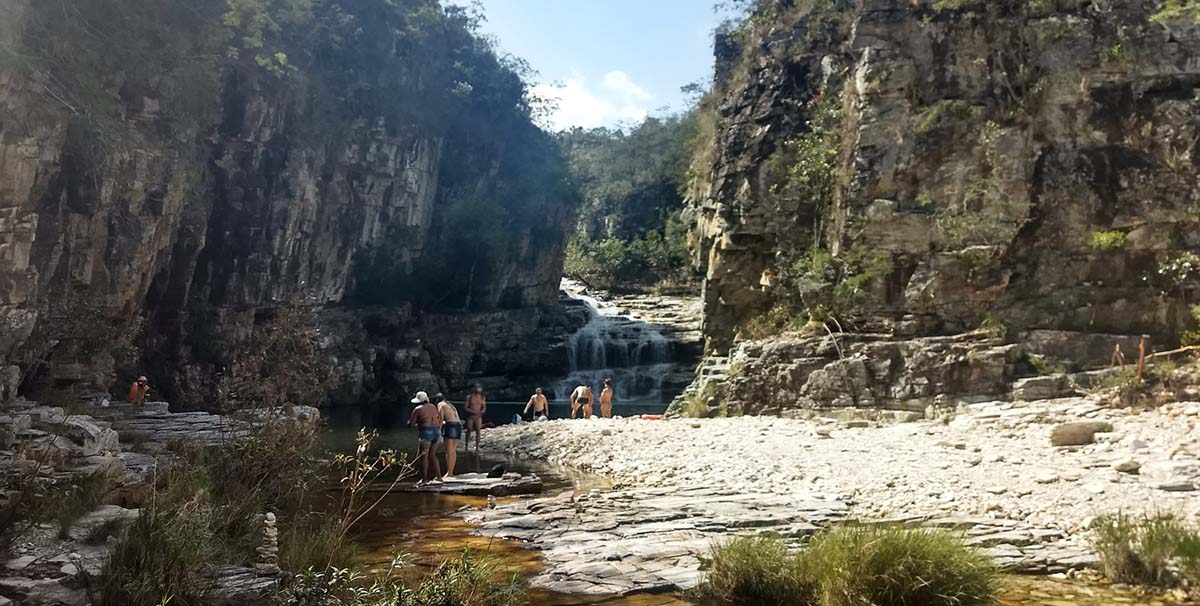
(607, 62)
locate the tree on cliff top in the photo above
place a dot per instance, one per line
(632, 184)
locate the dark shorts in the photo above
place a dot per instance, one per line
(429, 435)
(474, 421)
(452, 431)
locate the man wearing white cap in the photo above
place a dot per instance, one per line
(428, 421)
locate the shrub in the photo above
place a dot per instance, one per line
(896, 566)
(163, 552)
(1045, 367)
(953, 5)
(1140, 550)
(994, 326)
(312, 542)
(851, 566)
(467, 580)
(1192, 337)
(1108, 240)
(756, 571)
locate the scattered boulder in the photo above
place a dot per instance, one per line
(1042, 388)
(101, 523)
(42, 592)
(1078, 434)
(1127, 466)
(1172, 476)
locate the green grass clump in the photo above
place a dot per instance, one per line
(756, 571)
(1140, 550)
(896, 566)
(164, 552)
(853, 566)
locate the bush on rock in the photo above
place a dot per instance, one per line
(850, 566)
(1159, 550)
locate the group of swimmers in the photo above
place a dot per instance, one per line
(581, 401)
(437, 420)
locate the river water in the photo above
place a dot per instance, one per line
(421, 526)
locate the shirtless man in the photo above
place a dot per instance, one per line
(476, 405)
(452, 429)
(582, 398)
(538, 404)
(428, 421)
(606, 399)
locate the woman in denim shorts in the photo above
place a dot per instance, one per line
(452, 429)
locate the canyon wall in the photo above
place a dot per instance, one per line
(265, 201)
(1028, 167)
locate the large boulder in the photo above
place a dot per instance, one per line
(95, 436)
(1078, 434)
(101, 523)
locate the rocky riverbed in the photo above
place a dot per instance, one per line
(990, 471)
(103, 444)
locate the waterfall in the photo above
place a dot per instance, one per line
(634, 354)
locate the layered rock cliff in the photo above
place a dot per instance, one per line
(277, 186)
(921, 169)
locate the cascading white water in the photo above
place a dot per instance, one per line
(634, 354)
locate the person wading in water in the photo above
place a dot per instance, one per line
(476, 405)
(538, 404)
(428, 421)
(606, 399)
(582, 398)
(452, 429)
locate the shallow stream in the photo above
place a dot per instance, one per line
(418, 525)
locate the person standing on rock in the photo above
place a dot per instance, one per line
(452, 429)
(138, 393)
(606, 399)
(539, 405)
(428, 421)
(581, 398)
(476, 405)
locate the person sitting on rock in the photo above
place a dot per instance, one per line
(539, 405)
(476, 405)
(428, 421)
(138, 392)
(606, 399)
(581, 398)
(452, 430)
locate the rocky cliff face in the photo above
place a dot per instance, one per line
(261, 205)
(1023, 165)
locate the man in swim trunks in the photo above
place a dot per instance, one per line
(538, 404)
(452, 429)
(582, 398)
(476, 405)
(428, 421)
(606, 399)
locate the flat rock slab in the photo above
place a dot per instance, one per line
(480, 485)
(652, 539)
(643, 540)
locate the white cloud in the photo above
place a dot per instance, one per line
(620, 82)
(617, 99)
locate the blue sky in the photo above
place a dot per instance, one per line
(607, 62)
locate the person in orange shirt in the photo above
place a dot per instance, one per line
(138, 392)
